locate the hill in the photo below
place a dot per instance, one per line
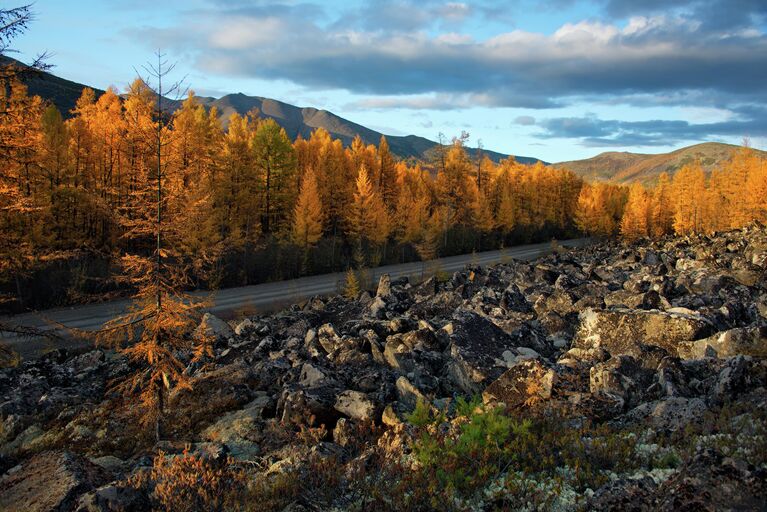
(624, 167)
(296, 120)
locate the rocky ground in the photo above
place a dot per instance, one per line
(611, 377)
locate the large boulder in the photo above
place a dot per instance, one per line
(620, 375)
(49, 481)
(356, 405)
(476, 351)
(235, 428)
(384, 287)
(114, 498)
(670, 413)
(749, 341)
(213, 328)
(404, 352)
(625, 331)
(523, 384)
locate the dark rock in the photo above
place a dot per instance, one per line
(522, 384)
(476, 351)
(49, 481)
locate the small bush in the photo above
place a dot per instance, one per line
(188, 483)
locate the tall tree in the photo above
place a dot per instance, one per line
(662, 209)
(161, 319)
(275, 161)
(368, 220)
(634, 224)
(689, 186)
(307, 216)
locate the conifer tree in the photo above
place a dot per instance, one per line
(275, 160)
(634, 224)
(387, 176)
(662, 210)
(689, 187)
(368, 220)
(307, 216)
(162, 317)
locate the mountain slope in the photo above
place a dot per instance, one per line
(296, 120)
(630, 167)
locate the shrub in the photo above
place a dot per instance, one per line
(188, 482)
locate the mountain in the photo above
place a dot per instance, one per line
(623, 167)
(296, 120)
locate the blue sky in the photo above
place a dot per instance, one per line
(557, 80)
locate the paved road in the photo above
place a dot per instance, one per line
(252, 299)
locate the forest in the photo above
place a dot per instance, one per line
(244, 204)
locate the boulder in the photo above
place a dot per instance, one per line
(670, 413)
(625, 331)
(49, 481)
(311, 376)
(329, 338)
(114, 498)
(620, 375)
(235, 428)
(475, 352)
(523, 384)
(750, 341)
(356, 405)
(384, 287)
(311, 407)
(403, 351)
(213, 328)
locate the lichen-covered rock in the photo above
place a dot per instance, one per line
(750, 341)
(476, 351)
(49, 481)
(524, 383)
(356, 405)
(624, 331)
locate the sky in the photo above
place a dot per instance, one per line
(556, 80)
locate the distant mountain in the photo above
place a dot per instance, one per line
(296, 120)
(625, 167)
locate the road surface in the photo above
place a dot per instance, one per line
(254, 299)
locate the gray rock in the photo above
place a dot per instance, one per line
(356, 405)
(524, 383)
(212, 327)
(750, 341)
(625, 331)
(235, 429)
(671, 413)
(113, 498)
(49, 481)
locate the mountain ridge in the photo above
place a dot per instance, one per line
(625, 167)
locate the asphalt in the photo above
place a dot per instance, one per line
(255, 299)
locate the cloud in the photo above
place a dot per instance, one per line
(664, 56)
(525, 120)
(592, 131)
(402, 55)
(712, 14)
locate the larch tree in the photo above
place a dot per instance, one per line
(634, 224)
(505, 216)
(275, 160)
(307, 216)
(689, 186)
(387, 176)
(662, 209)
(368, 221)
(161, 319)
